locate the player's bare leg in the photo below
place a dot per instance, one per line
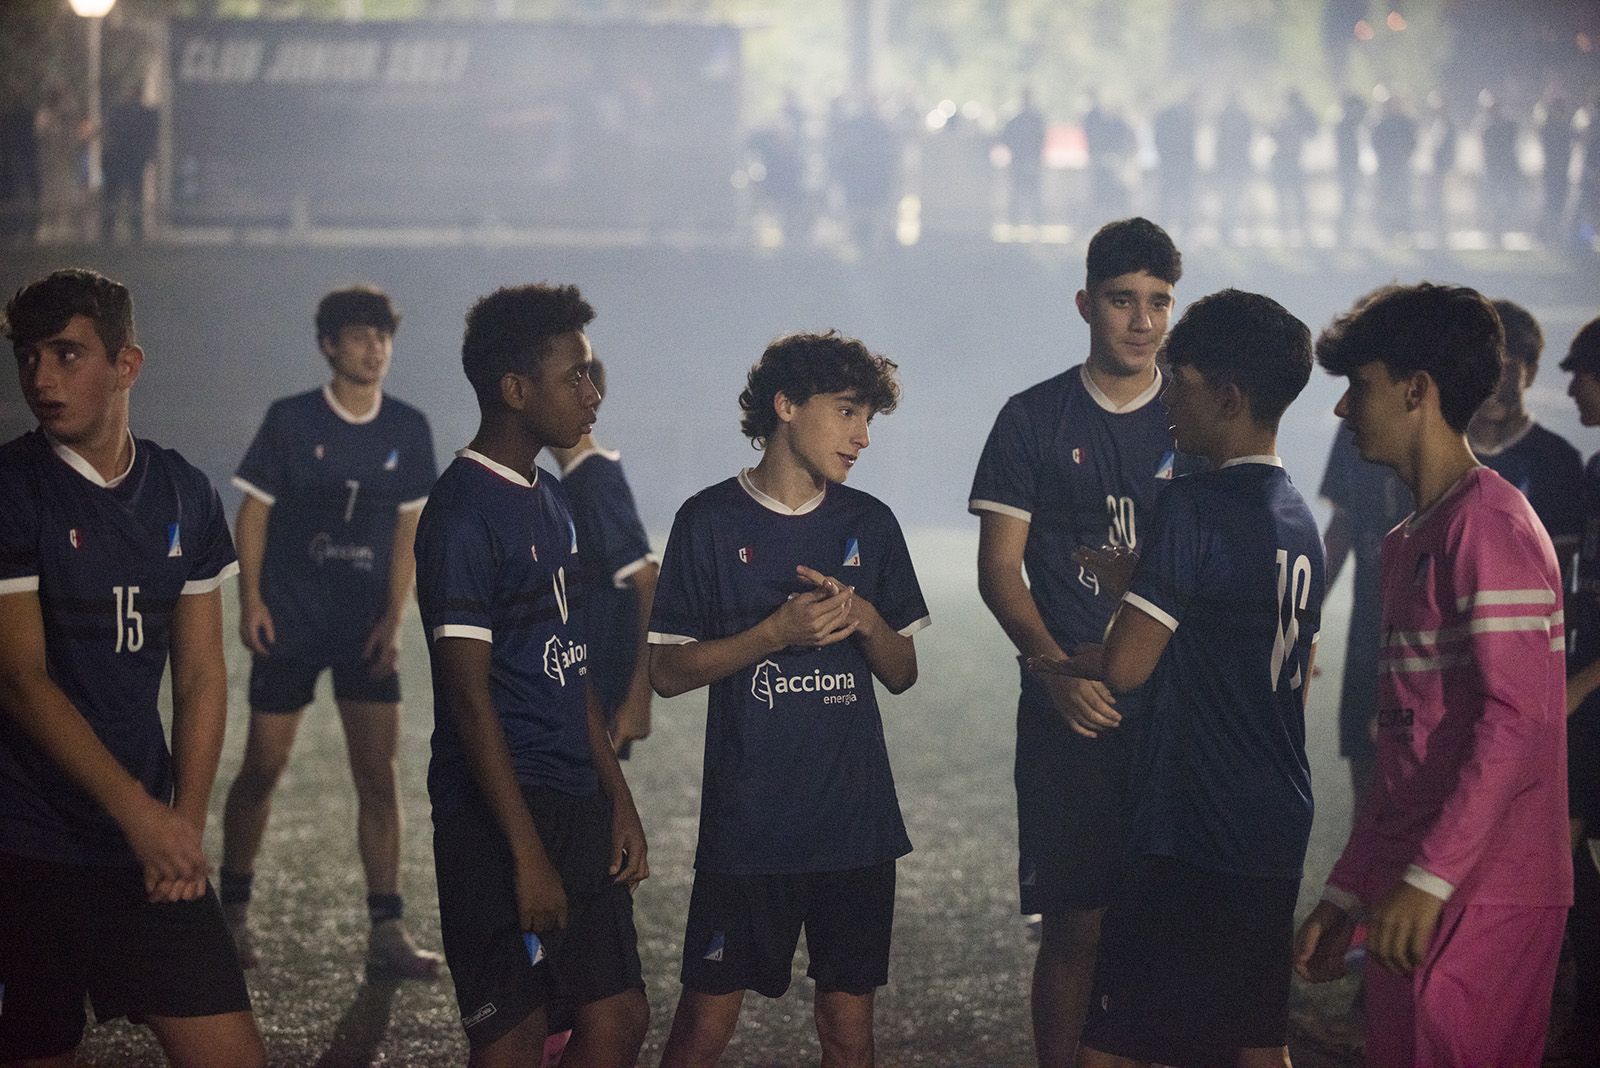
(1264, 1057)
(249, 804)
(702, 1026)
(1062, 974)
(1093, 1058)
(520, 1047)
(844, 1028)
(68, 1059)
(230, 1038)
(608, 1032)
(371, 738)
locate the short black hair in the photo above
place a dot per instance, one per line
(42, 309)
(356, 306)
(1131, 245)
(1524, 339)
(1584, 355)
(1451, 332)
(800, 366)
(1248, 341)
(510, 330)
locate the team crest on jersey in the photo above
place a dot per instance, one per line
(574, 528)
(852, 553)
(1077, 456)
(393, 460)
(1165, 470)
(174, 540)
(320, 451)
(715, 947)
(746, 554)
(74, 539)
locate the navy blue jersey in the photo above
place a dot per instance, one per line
(1233, 564)
(335, 484)
(796, 772)
(1547, 469)
(611, 547)
(494, 557)
(1080, 473)
(1583, 609)
(109, 561)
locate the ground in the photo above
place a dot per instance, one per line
(962, 959)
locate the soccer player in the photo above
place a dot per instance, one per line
(1583, 711)
(787, 593)
(617, 574)
(1075, 461)
(1460, 855)
(112, 552)
(333, 483)
(536, 842)
(1507, 440)
(1220, 616)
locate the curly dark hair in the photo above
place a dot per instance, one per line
(356, 306)
(1130, 245)
(800, 366)
(510, 330)
(1451, 332)
(42, 309)
(1246, 340)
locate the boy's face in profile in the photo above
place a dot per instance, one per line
(1585, 392)
(1194, 407)
(1374, 404)
(565, 402)
(827, 433)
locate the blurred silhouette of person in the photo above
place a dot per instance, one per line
(60, 192)
(19, 169)
(779, 149)
(131, 132)
(1295, 127)
(1586, 213)
(1174, 130)
(1347, 151)
(1109, 141)
(957, 187)
(1023, 136)
(1558, 142)
(866, 164)
(1394, 144)
(1501, 191)
(1441, 141)
(1233, 168)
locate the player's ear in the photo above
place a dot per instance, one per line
(129, 361)
(513, 391)
(783, 406)
(326, 347)
(1082, 300)
(1233, 401)
(1417, 386)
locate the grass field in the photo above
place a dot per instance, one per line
(959, 975)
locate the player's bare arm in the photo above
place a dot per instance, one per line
(630, 862)
(199, 713)
(891, 655)
(813, 618)
(1322, 942)
(633, 714)
(464, 667)
(1581, 685)
(382, 648)
(1132, 649)
(1001, 541)
(167, 845)
(250, 542)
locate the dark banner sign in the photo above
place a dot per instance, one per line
(434, 123)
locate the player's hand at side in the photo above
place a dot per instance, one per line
(255, 627)
(541, 899)
(1322, 942)
(632, 722)
(382, 649)
(630, 862)
(1113, 565)
(1076, 692)
(814, 618)
(1401, 928)
(168, 848)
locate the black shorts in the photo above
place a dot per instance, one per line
(1583, 764)
(1071, 810)
(67, 930)
(1193, 965)
(280, 684)
(743, 930)
(595, 957)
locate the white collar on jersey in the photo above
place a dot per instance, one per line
(772, 503)
(1269, 460)
(344, 413)
(1099, 397)
(609, 454)
(498, 468)
(86, 469)
(1513, 440)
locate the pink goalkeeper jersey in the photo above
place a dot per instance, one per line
(1470, 796)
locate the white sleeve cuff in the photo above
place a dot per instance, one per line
(620, 577)
(412, 506)
(1159, 615)
(255, 491)
(656, 637)
(911, 628)
(463, 630)
(975, 506)
(22, 584)
(1341, 898)
(206, 585)
(1427, 882)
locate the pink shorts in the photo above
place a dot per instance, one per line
(1482, 997)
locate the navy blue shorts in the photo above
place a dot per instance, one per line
(279, 684)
